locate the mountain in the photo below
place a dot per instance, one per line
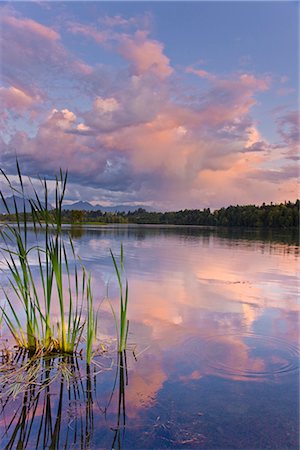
(122, 208)
(11, 205)
(81, 206)
(10, 202)
(86, 206)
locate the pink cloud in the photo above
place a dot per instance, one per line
(17, 100)
(201, 73)
(249, 80)
(31, 51)
(195, 375)
(235, 96)
(184, 152)
(135, 137)
(231, 98)
(239, 81)
(61, 145)
(77, 28)
(29, 26)
(145, 55)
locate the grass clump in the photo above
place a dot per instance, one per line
(61, 278)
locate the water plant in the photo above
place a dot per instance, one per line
(61, 275)
(91, 322)
(122, 329)
(61, 279)
(16, 257)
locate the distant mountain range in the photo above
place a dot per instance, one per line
(81, 206)
(86, 206)
(11, 201)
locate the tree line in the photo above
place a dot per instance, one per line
(283, 215)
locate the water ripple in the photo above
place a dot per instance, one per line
(248, 355)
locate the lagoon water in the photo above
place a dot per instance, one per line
(213, 357)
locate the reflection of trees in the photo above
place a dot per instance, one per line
(203, 234)
(77, 231)
(229, 236)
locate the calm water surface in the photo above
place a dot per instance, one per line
(214, 329)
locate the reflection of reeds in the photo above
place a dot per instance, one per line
(41, 416)
(122, 377)
(121, 420)
(51, 401)
(47, 351)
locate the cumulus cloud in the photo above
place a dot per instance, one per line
(57, 145)
(145, 55)
(255, 142)
(138, 137)
(137, 100)
(232, 98)
(33, 55)
(15, 99)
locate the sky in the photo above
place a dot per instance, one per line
(173, 105)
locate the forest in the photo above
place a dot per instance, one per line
(283, 215)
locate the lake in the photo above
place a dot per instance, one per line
(213, 347)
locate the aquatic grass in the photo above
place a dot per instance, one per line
(61, 277)
(122, 329)
(56, 260)
(21, 281)
(53, 267)
(17, 261)
(91, 322)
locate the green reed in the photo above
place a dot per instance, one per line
(17, 261)
(61, 277)
(40, 334)
(91, 322)
(123, 327)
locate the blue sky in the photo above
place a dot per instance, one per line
(171, 104)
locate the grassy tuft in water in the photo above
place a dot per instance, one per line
(61, 278)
